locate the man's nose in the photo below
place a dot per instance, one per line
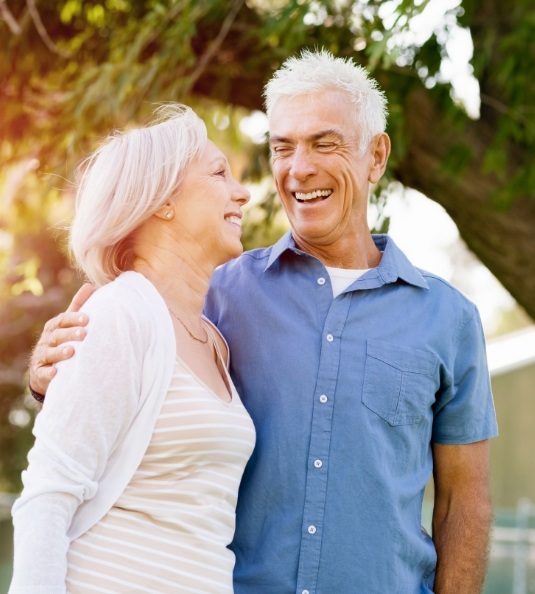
(303, 164)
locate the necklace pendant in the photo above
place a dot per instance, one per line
(201, 340)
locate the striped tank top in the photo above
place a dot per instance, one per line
(169, 530)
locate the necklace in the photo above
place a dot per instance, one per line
(188, 330)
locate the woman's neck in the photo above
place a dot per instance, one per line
(182, 283)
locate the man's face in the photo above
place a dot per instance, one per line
(320, 174)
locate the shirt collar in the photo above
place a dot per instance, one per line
(394, 264)
(286, 242)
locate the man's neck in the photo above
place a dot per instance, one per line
(358, 254)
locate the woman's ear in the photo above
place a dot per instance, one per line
(166, 212)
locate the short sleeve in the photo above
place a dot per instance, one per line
(464, 409)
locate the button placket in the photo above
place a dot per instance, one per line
(321, 426)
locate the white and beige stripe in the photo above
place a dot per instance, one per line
(169, 530)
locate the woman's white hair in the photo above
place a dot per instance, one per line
(124, 182)
(319, 70)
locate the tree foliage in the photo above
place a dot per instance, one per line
(71, 70)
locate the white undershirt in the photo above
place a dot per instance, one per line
(341, 278)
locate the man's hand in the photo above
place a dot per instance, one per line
(65, 327)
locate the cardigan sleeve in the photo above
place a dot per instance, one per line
(89, 407)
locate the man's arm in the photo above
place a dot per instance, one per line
(49, 350)
(462, 517)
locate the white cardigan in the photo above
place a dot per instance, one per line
(94, 428)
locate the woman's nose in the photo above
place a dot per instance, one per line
(241, 193)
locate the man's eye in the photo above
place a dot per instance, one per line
(325, 145)
(280, 149)
(221, 172)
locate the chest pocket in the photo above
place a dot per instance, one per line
(399, 382)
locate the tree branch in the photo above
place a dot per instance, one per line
(36, 18)
(16, 29)
(216, 43)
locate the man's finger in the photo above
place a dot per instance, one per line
(45, 355)
(40, 377)
(42, 362)
(56, 354)
(82, 295)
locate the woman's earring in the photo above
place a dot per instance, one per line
(169, 216)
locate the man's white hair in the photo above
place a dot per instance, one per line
(319, 70)
(124, 182)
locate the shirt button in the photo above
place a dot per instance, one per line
(330, 337)
(318, 463)
(312, 529)
(305, 592)
(321, 280)
(323, 399)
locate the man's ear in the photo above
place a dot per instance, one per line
(166, 212)
(380, 151)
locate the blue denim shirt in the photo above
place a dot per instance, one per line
(347, 396)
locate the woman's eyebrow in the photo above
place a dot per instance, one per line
(219, 161)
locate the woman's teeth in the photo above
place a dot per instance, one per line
(234, 219)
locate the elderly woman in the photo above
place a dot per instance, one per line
(140, 447)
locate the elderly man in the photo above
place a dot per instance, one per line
(364, 375)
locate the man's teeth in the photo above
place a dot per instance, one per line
(234, 219)
(311, 195)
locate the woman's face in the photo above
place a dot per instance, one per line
(208, 206)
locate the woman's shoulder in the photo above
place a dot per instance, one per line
(130, 298)
(130, 290)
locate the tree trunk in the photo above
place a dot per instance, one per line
(502, 238)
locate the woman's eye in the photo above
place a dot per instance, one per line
(220, 172)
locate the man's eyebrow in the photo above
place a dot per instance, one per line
(313, 137)
(274, 139)
(323, 133)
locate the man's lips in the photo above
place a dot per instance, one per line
(312, 195)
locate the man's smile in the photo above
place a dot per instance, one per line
(307, 196)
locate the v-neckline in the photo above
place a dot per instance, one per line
(231, 392)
